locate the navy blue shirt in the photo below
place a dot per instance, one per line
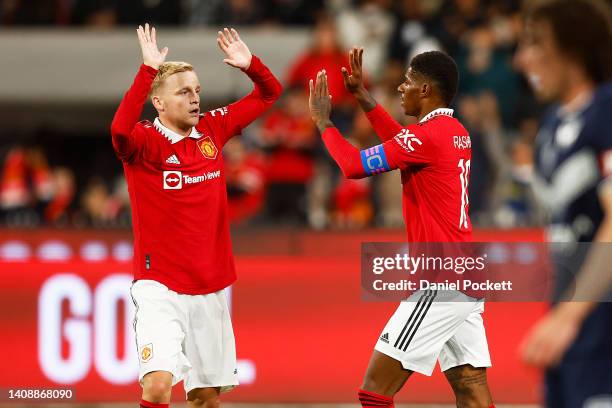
(573, 158)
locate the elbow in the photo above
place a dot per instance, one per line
(116, 128)
(274, 93)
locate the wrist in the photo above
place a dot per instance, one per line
(324, 124)
(152, 65)
(360, 92)
(574, 312)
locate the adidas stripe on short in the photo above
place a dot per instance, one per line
(430, 326)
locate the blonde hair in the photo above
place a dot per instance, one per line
(165, 70)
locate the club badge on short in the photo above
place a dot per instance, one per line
(208, 148)
(146, 353)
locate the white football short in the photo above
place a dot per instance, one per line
(436, 325)
(190, 336)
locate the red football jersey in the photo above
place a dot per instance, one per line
(434, 158)
(177, 186)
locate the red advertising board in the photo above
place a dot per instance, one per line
(303, 334)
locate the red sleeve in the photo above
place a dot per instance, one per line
(231, 119)
(384, 125)
(127, 141)
(344, 154)
(411, 146)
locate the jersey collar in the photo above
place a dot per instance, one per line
(437, 112)
(171, 135)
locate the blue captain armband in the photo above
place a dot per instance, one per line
(374, 160)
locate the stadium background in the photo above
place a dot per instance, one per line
(303, 335)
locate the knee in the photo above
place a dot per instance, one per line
(157, 390)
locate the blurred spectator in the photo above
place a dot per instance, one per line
(14, 191)
(288, 136)
(95, 13)
(239, 13)
(35, 12)
(156, 12)
(325, 53)
(368, 25)
(352, 204)
(94, 202)
(26, 187)
(245, 175)
(411, 34)
(480, 116)
(295, 12)
(58, 210)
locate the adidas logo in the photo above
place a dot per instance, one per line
(173, 160)
(385, 338)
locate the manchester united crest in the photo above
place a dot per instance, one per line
(146, 353)
(208, 148)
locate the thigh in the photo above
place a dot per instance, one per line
(385, 375)
(469, 343)
(209, 345)
(159, 329)
(421, 326)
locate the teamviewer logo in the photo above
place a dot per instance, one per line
(173, 180)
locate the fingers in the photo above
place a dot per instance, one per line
(139, 32)
(352, 59)
(147, 32)
(235, 34)
(223, 39)
(164, 53)
(153, 35)
(360, 58)
(221, 44)
(325, 88)
(228, 35)
(345, 74)
(311, 88)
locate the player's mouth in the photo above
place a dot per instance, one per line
(194, 112)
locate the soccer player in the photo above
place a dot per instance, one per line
(434, 159)
(566, 54)
(182, 250)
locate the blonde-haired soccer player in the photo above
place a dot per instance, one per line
(182, 250)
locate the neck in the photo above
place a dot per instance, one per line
(576, 88)
(170, 125)
(427, 108)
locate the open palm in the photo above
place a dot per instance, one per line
(236, 51)
(353, 80)
(151, 55)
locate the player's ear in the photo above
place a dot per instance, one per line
(425, 90)
(158, 104)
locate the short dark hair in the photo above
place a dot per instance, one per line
(581, 30)
(441, 69)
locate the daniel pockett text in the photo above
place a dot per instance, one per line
(393, 271)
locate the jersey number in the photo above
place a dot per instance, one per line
(464, 178)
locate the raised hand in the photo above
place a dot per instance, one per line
(320, 101)
(151, 55)
(353, 80)
(237, 53)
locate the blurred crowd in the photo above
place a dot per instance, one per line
(278, 172)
